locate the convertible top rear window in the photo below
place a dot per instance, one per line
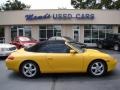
(33, 48)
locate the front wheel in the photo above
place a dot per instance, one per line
(100, 46)
(116, 47)
(29, 69)
(97, 68)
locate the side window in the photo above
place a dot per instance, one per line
(110, 37)
(54, 48)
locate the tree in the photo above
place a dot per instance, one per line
(14, 5)
(96, 4)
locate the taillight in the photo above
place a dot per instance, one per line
(11, 57)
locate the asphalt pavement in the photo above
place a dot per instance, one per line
(13, 81)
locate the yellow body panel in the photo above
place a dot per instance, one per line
(60, 62)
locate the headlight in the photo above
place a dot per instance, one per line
(12, 49)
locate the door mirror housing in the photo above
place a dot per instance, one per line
(72, 51)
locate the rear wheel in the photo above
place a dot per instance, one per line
(29, 69)
(97, 68)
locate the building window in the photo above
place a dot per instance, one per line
(47, 31)
(20, 31)
(92, 33)
(2, 35)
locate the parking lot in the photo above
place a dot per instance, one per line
(12, 81)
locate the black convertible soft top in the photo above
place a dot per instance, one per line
(35, 47)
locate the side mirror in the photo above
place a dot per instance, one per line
(72, 51)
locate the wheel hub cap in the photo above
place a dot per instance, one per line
(29, 70)
(97, 68)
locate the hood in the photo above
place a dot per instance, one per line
(92, 50)
(95, 52)
(28, 42)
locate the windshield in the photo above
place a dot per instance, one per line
(24, 39)
(78, 47)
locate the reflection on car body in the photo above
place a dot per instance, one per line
(57, 56)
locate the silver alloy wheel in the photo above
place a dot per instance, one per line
(29, 69)
(116, 47)
(97, 68)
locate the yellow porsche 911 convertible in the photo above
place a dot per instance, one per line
(59, 57)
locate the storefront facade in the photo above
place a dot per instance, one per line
(86, 26)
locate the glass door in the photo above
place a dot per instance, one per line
(16, 32)
(20, 32)
(76, 35)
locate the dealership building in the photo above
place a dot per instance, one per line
(86, 26)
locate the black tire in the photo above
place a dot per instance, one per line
(29, 67)
(93, 70)
(116, 47)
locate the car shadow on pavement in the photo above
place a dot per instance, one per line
(65, 77)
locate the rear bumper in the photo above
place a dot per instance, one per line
(12, 65)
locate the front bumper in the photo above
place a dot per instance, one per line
(6, 53)
(111, 65)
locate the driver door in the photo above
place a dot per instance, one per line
(65, 62)
(60, 59)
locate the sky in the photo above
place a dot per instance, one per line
(46, 4)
